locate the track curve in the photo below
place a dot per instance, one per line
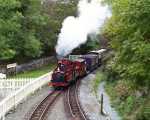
(73, 104)
(40, 111)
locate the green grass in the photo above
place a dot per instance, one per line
(97, 80)
(100, 76)
(130, 108)
(35, 73)
(109, 87)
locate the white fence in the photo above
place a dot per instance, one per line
(14, 99)
(14, 83)
(8, 86)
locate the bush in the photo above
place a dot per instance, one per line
(123, 89)
(144, 113)
(125, 99)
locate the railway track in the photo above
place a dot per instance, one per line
(40, 111)
(73, 105)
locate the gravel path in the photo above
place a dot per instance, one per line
(28, 105)
(90, 103)
(88, 100)
(107, 107)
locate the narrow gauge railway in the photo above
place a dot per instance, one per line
(72, 103)
(41, 110)
(69, 69)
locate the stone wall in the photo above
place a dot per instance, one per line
(34, 64)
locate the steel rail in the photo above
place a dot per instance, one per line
(73, 102)
(40, 111)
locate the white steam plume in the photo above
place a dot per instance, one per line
(75, 30)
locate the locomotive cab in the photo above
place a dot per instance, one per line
(58, 75)
(58, 79)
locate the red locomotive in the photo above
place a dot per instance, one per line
(68, 70)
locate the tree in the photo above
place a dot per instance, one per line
(28, 41)
(92, 43)
(57, 12)
(28, 29)
(10, 20)
(128, 31)
(19, 20)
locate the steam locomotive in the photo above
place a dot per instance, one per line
(68, 70)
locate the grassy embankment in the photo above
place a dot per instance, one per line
(131, 103)
(36, 73)
(100, 76)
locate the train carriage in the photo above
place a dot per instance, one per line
(76, 66)
(80, 67)
(100, 54)
(91, 61)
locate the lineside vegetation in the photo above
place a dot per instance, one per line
(129, 70)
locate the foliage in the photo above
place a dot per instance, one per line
(28, 29)
(122, 89)
(132, 107)
(19, 21)
(144, 113)
(128, 30)
(127, 105)
(57, 12)
(100, 76)
(91, 44)
(9, 25)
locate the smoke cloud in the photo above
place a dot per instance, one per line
(75, 30)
